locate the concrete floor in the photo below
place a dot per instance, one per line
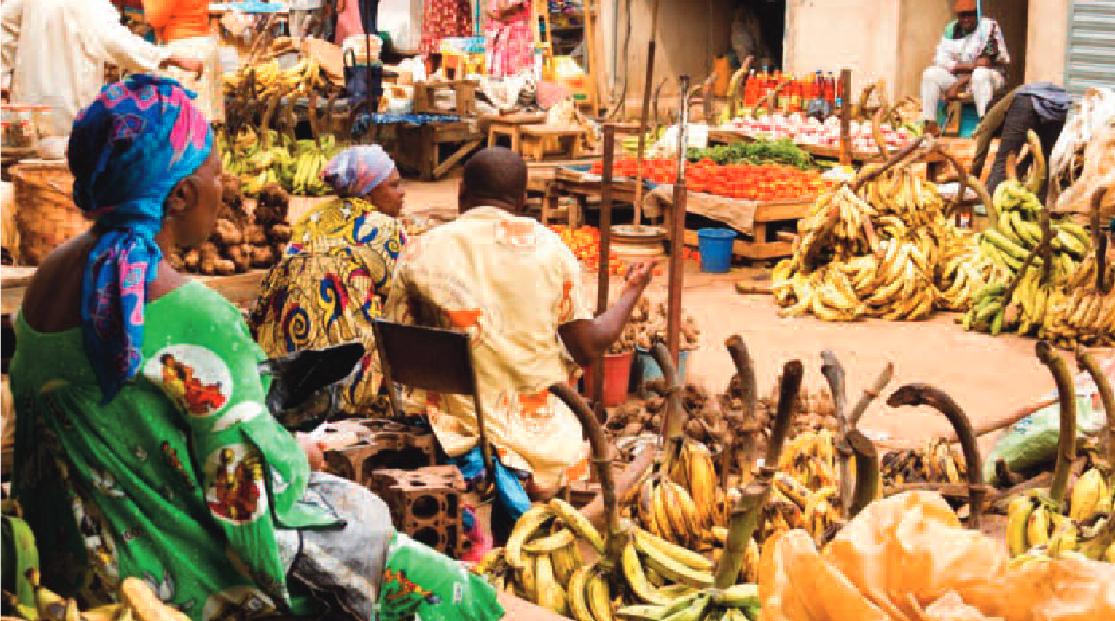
(989, 377)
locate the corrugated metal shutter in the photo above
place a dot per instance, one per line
(1091, 50)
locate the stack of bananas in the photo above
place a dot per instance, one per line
(888, 253)
(137, 602)
(1041, 297)
(653, 579)
(270, 80)
(683, 506)
(1079, 313)
(295, 165)
(805, 486)
(1037, 530)
(936, 462)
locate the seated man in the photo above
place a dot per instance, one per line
(514, 287)
(971, 54)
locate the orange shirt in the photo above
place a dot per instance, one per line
(177, 19)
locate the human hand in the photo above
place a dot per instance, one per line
(312, 448)
(953, 91)
(639, 275)
(187, 64)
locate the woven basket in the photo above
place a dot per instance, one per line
(45, 214)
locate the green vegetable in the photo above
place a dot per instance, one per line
(782, 151)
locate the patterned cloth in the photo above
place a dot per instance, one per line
(329, 287)
(127, 151)
(510, 42)
(356, 171)
(182, 479)
(444, 18)
(957, 46)
(509, 282)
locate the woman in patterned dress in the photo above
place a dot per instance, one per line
(509, 40)
(331, 283)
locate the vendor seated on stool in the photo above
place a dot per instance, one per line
(517, 290)
(970, 55)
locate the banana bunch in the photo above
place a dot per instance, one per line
(1035, 528)
(906, 195)
(296, 165)
(936, 462)
(963, 272)
(846, 237)
(137, 602)
(653, 579)
(804, 494)
(683, 506)
(270, 80)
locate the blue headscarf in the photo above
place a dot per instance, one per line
(127, 152)
(356, 171)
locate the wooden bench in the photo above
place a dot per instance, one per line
(510, 125)
(536, 140)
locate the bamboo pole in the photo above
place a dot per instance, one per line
(603, 275)
(652, 44)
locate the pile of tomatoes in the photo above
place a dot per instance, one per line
(768, 182)
(585, 244)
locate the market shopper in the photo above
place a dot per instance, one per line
(143, 446)
(55, 51)
(332, 281)
(517, 290)
(971, 55)
(183, 27)
(508, 38)
(1041, 107)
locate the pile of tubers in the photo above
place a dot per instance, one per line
(241, 241)
(647, 326)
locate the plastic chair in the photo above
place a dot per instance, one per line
(430, 359)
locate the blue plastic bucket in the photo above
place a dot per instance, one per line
(716, 249)
(646, 369)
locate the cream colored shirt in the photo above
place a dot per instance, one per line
(509, 282)
(56, 51)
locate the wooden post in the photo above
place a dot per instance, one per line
(845, 117)
(602, 276)
(677, 234)
(643, 112)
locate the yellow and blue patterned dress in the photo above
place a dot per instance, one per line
(329, 286)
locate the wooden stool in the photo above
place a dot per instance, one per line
(510, 125)
(535, 137)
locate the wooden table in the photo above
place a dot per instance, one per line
(535, 138)
(572, 183)
(418, 147)
(764, 244)
(509, 125)
(730, 136)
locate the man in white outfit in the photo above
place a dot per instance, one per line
(56, 51)
(971, 53)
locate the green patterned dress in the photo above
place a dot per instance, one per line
(184, 478)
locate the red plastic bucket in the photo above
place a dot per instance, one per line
(617, 376)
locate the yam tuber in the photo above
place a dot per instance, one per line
(191, 261)
(263, 256)
(223, 267)
(227, 233)
(279, 233)
(241, 257)
(254, 235)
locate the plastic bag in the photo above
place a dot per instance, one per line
(420, 582)
(1032, 441)
(907, 558)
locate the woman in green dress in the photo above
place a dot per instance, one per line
(143, 446)
(331, 283)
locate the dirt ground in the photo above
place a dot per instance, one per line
(989, 377)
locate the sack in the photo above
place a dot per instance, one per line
(420, 582)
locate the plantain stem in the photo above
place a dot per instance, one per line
(742, 523)
(1099, 241)
(745, 368)
(673, 422)
(924, 394)
(1066, 442)
(1087, 361)
(867, 472)
(870, 394)
(834, 375)
(788, 390)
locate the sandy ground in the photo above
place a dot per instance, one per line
(989, 377)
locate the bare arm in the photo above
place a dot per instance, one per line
(588, 339)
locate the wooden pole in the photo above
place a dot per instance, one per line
(602, 276)
(677, 234)
(845, 117)
(643, 112)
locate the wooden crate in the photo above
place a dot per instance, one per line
(418, 148)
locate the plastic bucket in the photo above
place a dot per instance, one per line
(716, 249)
(617, 374)
(646, 369)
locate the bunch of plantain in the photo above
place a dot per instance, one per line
(1080, 313)
(885, 252)
(296, 165)
(653, 579)
(936, 462)
(137, 601)
(805, 487)
(268, 79)
(683, 505)
(1037, 529)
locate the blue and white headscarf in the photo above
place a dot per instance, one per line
(356, 171)
(127, 152)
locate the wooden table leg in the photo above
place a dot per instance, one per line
(457, 156)
(492, 135)
(516, 135)
(549, 203)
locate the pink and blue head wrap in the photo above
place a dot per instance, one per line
(356, 171)
(127, 152)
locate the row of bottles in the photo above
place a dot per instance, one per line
(813, 91)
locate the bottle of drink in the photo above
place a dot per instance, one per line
(751, 90)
